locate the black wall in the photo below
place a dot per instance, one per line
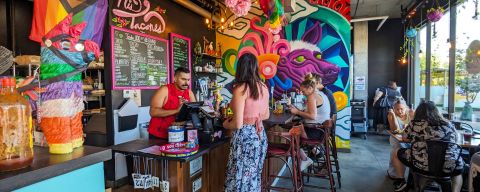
(178, 20)
(22, 21)
(383, 56)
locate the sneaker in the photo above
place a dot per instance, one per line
(399, 185)
(305, 164)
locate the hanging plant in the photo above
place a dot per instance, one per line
(435, 14)
(411, 32)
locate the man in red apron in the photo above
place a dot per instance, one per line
(167, 102)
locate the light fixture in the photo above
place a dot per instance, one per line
(220, 26)
(478, 52)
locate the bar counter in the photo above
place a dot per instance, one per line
(203, 171)
(81, 170)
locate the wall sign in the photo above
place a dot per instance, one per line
(139, 61)
(180, 53)
(138, 15)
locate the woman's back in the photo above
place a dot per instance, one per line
(323, 110)
(256, 109)
(422, 131)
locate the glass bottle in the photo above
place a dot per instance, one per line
(16, 142)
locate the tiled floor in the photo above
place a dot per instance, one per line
(363, 169)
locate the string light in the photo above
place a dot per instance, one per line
(207, 21)
(404, 61)
(222, 20)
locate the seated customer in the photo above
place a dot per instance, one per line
(428, 124)
(398, 118)
(317, 111)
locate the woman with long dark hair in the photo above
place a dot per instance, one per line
(249, 143)
(428, 125)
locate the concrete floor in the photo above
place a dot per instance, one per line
(363, 169)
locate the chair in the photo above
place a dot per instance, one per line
(333, 142)
(283, 151)
(436, 151)
(321, 160)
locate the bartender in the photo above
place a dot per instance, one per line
(167, 102)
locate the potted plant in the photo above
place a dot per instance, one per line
(435, 14)
(468, 87)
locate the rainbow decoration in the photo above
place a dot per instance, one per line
(273, 10)
(61, 108)
(48, 13)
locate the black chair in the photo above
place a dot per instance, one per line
(436, 151)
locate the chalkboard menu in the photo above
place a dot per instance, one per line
(180, 52)
(138, 61)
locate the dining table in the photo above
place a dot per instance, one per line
(473, 142)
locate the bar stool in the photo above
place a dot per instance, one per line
(324, 158)
(283, 151)
(334, 155)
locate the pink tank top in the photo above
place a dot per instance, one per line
(256, 110)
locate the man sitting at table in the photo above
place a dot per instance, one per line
(167, 102)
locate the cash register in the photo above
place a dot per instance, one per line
(203, 120)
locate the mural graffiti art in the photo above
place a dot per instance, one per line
(317, 39)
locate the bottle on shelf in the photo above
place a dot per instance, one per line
(16, 141)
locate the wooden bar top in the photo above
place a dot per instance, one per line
(132, 147)
(279, 119)
(46, 166)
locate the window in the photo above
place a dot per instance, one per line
(467, 77)
(439, 62)
(420, 65)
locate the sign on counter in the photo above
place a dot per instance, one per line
(139, 61)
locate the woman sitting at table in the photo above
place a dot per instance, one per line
(428, 124)
(317, 111)
(398, 118)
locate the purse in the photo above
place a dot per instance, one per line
(384, 100)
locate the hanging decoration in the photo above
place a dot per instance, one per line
(239, 7)
(411, 32)
(435, 14)
(274, 12)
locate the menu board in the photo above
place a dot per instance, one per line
(180, 52)
(139, 61)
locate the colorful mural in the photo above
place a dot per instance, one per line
(317, 39)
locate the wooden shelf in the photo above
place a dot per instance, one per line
(211, 56)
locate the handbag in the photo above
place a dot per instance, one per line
(383, 102)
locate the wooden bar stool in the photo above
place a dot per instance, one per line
(334, 154)
(283, 151)
(323, 161)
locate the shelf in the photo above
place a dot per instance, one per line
(206, 73)
(210, 56)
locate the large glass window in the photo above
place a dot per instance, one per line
(439, 62)
(420, 66)
(467, 66)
